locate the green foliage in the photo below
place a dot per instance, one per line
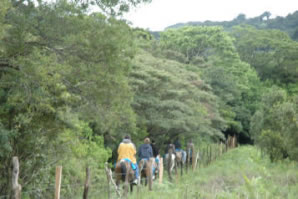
(271, 52)
(170, 100)
(112, 7)
(286, 24)
(72, 83)
(212, 51)
(64, 93)
(274, 144)
(4, 6)
(241, 173)
(274, 124)
(198, 42)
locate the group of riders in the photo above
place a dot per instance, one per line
(127, 152)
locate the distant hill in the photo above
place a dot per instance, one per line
(288, 24)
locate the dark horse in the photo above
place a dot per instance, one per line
(125, 173)
(146, 171)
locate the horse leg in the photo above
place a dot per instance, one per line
(176, 165)
(141, 170)
(126, 183)
(188, 159)
(149, 174)
(181, 164)
(118, 175)
(131, 188)
(169, 166)
(146, 175)
(117, 182)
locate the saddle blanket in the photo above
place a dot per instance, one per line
(133, 166)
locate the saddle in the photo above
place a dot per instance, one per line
(133, 166)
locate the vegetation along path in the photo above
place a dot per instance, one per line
(241, 173)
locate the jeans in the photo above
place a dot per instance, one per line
(136, 170)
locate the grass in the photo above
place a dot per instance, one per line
(241, 173)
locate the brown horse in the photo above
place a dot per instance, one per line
(124, 173)
(190, 153)
(179, 161)
(146, 171)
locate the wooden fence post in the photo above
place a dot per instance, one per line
(204, 156)
(86, 187)
(110, 178)
(16, 187)
(160, 172)
(58, 182)
(193, 157)
(207, 155)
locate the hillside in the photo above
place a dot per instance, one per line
(287, 24)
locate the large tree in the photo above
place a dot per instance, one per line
(63, 88)
(271, 52)
(213, 52)
(171, 101)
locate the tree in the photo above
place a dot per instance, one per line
(213, 52)
(271, 52)
(63, 89)
(171, 101)
(112, 7)
(265, 15)
(274, 125)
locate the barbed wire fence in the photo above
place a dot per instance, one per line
(105, 186)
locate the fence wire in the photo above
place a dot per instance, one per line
(99, 187)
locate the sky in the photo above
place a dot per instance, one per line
(159, 14)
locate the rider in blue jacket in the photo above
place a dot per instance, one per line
(178, 149)
(145, 150)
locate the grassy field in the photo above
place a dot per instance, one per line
(241, 173)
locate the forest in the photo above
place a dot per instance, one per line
(74, 82)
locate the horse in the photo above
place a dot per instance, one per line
(124, 172)
(171, 160)
(179, 161)
(146, 168)
(190, 151)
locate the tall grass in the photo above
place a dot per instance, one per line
(241, 173)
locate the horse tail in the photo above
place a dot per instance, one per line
(123, 170)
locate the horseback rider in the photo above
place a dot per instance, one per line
(145, 150)
(127, 150)
(155, 150)
(178, 149)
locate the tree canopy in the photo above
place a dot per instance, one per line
(213, 52)
(74, 82)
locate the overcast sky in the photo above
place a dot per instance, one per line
(162, 13)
